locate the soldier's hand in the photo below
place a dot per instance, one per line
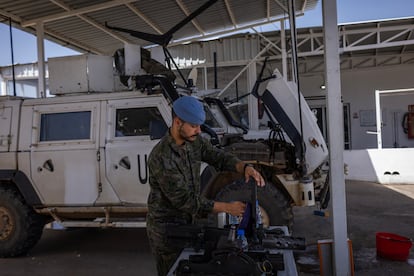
(249, 171)
(236, 208)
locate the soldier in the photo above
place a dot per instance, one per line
(174, 177)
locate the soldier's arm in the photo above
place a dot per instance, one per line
(235, 208)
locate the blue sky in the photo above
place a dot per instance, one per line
(348, 11)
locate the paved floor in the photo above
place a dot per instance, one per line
(85, 252)
(370, 208)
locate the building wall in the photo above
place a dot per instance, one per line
(358, 92)
(384, 166)
(358, 89)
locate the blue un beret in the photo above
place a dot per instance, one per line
(190, 110)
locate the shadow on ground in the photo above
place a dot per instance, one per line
(371, 208)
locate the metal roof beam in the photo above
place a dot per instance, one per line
(9, 15)
(54, 36)
(377, 45)
(283, 7)
(216, 34)
(72, 44)
(315, 47)
(268, 40)
(304, 6)
(91, 22)
(74, 12)
(365, 37)
(397, 35)
(379, 28)
(230, 12)
(187, 13)
(403, 48)
(362, 43)
(268, 9)
(104, 29)
(144, 17)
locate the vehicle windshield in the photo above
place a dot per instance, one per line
(210, 120)
(240, 113)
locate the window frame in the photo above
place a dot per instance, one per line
(156, 101)
(67, 121)
(92, 107)
(139, 109)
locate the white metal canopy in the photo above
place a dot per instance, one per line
(80, 24)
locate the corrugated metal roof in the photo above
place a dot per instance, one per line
(80, 24)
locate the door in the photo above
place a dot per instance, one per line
(128, 145)
(5, 128)
(64, 153)
(321, 116)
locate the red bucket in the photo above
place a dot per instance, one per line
(392, 246)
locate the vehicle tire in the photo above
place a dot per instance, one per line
(275, 207)
(20, 226)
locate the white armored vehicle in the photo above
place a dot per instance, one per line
(80, 158)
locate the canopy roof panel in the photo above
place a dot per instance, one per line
(80, 24)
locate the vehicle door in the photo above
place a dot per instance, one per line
(128, 144)
(64, 153)
(5, 127)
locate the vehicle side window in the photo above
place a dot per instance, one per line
(210, 120)
(136, 121)
(65, 126)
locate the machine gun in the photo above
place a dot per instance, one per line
(164, 39)
(212, 251)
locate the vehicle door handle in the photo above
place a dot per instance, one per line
(48, 165)
(124, 163)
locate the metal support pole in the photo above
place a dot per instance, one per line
(378, 118)
(252, 100)
(12, 57)
(215, 70)
(205, 78)
(283, 45)
(336, 138)
(41, 91)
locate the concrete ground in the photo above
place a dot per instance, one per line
(370, 208)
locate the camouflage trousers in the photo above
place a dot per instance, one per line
(165, 255)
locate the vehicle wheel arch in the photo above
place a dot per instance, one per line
(19, 181)
(218, 180)
(274, 194)
(272, 200)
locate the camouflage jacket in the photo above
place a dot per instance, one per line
(174, 177)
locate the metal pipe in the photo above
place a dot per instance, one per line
(295, 78)
(12, 57)
(215, 70)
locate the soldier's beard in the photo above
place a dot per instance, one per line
(185, 137)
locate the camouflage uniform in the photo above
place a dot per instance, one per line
(174, 177)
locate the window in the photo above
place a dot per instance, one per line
(65, 126)
(137, 121)
(210, 120)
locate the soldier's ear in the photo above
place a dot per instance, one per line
(177, 121)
